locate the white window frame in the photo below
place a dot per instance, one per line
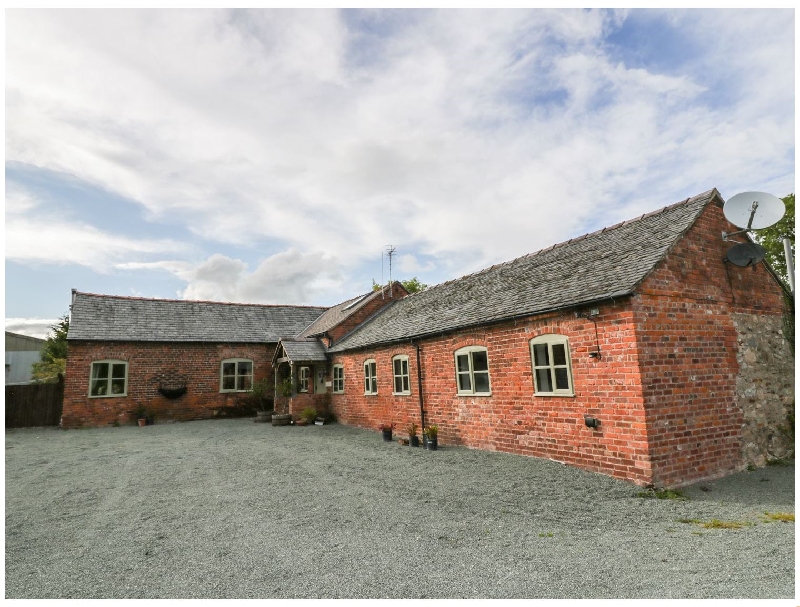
(338, 382)
(550, 340)
(469, 352)
(405, 378)
(236, 375)
(109, 387)
(302, 378)
(370, 376)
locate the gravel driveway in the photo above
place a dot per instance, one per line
(233, 509)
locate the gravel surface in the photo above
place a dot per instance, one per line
(233, 509)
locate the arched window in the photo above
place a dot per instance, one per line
(552, 371)
(472, 371)
(400, 371)
(370, 377)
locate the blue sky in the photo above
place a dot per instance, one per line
(270, 156)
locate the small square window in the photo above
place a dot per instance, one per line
(236, 375)
(108, 378)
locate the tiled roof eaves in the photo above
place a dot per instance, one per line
(419, 336)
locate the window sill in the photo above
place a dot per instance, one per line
(473, 393)
(370, 394)
(107, 395)
(401, 393)
(234, 391)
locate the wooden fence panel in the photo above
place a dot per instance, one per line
(34, 405)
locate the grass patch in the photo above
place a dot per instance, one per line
(717, 524)
(663, 494)
(781, 463)
(786, 517)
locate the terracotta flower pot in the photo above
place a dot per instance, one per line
(143, 421)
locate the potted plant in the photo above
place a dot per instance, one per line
(413, 439)
(431, 435)
(284, 391)
(307, 417)
(261, 390)
(140, 414)
(387, 432)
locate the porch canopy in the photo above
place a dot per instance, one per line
(299, 350)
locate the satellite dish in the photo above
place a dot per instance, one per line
(754, 210)
(745, 254)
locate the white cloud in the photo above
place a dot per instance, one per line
(49, 240)
(289, 277)
(467, 137)
(35, 327)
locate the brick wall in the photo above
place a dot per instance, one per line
(688, 352)
(148, 362)
(363, 313)
(513, 419)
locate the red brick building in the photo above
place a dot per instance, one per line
(179, 360)
(636, 351)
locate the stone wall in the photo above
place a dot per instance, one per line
(764, 388)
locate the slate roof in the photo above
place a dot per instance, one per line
(302, 350)
(334, 315)
(114, 318)
(606, 264)
(338, 313)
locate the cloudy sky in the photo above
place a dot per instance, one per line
(272, 156)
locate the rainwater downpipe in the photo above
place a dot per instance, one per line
(419, 382)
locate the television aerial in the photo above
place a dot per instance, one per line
(755, 211)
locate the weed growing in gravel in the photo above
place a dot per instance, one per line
(716, 523)
(786, 517)
(548, 534)
(700, 533)
(663, 494)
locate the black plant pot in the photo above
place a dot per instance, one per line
(432, 444)
(387, 435)
(414, 441)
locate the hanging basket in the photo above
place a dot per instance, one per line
(172, 393)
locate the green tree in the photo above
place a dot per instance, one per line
(771, 239)
(412, 285)
(53, 359)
